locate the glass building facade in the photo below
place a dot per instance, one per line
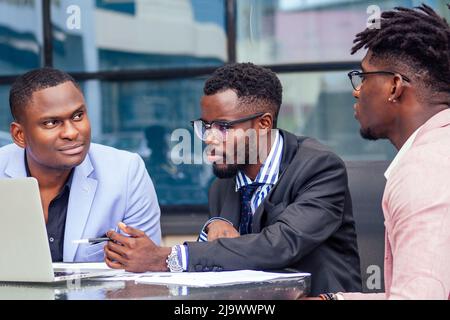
(142, 65)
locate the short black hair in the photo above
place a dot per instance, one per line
(417, 38)
(25, 85)
(257, 88)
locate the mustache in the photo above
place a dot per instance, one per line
(71, 145)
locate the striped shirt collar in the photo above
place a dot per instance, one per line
(268, 173)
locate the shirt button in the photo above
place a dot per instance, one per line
(51, 239)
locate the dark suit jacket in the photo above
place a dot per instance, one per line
(305, 223)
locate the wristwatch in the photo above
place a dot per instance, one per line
(173, 261)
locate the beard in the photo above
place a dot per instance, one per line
(230, 170)
(367, 134)
(226, 171)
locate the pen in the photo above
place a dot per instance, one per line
(102, 238)
(91, 240)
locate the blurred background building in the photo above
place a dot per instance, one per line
(142, 65)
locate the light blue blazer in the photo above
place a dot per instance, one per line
(109, 186)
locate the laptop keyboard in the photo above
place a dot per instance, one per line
(66, 273)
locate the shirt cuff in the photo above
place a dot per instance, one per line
(339, 296)
(183, 256)
(203, 236)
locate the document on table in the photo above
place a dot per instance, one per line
(100, 269)
(77, 266)
(193, 279)
(115, 275)
(203, 279)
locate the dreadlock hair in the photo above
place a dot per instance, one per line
(258, 89)
(25, 85)
(417, 39)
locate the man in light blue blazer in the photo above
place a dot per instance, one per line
(86, 189)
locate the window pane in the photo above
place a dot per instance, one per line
(136, 34)
(5, 116)
(301, 31)
(320, 105)
(20, 36)
(140, 116)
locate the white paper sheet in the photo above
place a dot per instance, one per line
(92, 266)
(207, 279)
(97, 269)
(194, 279)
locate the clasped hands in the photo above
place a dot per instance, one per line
(138, 253)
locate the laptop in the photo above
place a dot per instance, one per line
(25, 251)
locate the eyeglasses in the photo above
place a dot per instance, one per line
(220, 126)
(357, 77)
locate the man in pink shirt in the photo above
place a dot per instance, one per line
(403, 94)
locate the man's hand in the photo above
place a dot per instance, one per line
(137, 253)
(221, 229)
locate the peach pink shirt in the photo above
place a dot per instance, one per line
(416, 207)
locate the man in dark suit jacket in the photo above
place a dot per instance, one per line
(286, 209)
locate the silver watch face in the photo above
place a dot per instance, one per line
(173, 262)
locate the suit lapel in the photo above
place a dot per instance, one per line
(291, 145)
(231, 209)
(16, 164)
(257, 216)
(82, 192)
